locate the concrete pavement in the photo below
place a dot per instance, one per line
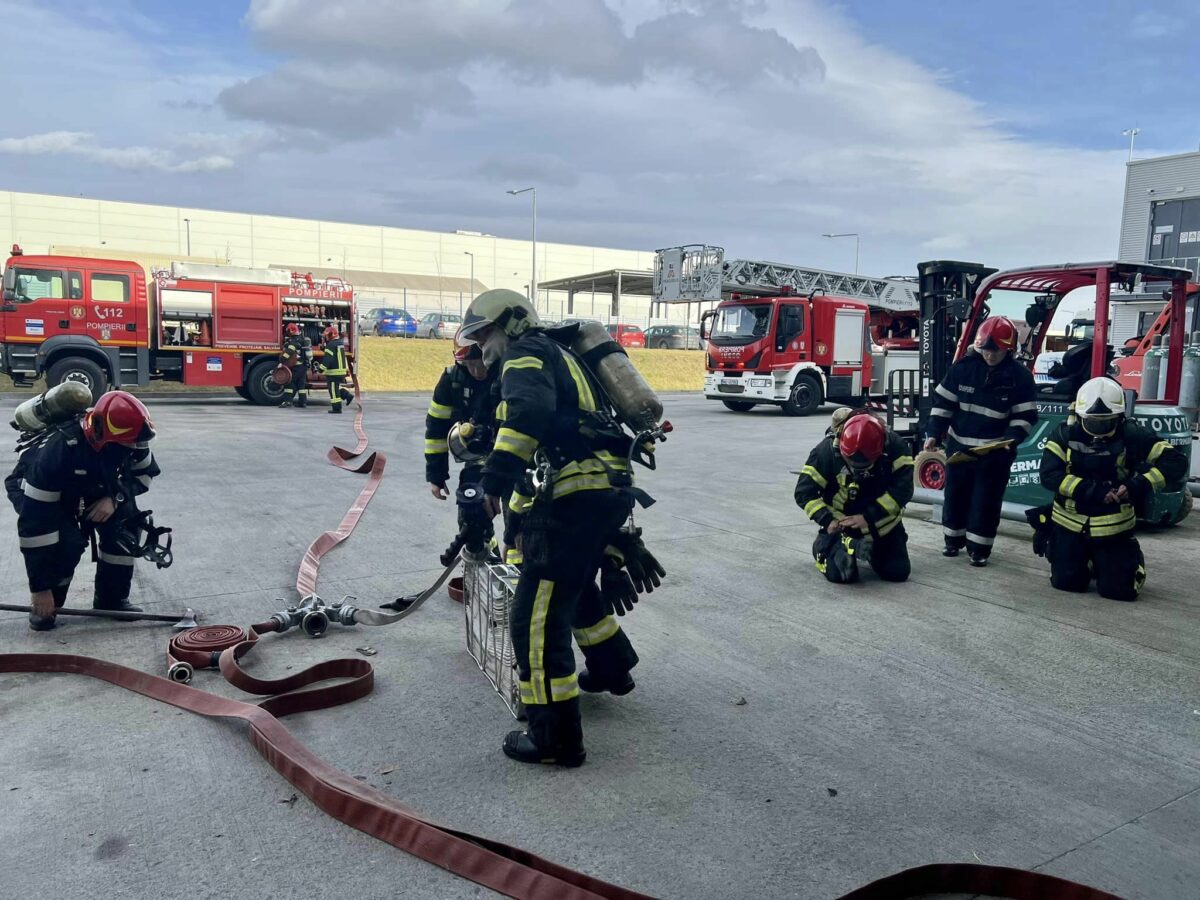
(968, 714)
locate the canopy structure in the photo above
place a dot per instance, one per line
(614, 282)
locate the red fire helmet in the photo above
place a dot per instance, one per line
(470, 351)
(292, 330)
(117, 418)
(996, 333)
(331, 333)
(862, 440)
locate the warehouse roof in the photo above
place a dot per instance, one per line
(639, 282)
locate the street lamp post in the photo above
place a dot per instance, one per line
(853, 234)
(188, 224)
(472, 255)
(533, 277)
(1131, 133)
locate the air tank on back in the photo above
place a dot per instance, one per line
(634, 400)
(1189, 382)
(59, 404)
(1152, 365)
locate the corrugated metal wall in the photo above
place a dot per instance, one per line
(1148, 181)
(161, 233)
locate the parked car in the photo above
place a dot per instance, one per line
(673, 337)
(438, 325)
(565, 322)
(626, 335)
(388, 322)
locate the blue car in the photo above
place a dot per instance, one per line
(388, 322)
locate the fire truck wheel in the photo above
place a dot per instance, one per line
(738, 405)
(243, 393)
(77, 368)
(805, 397)
(929, 470)
(261, 386)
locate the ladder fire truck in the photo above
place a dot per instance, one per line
(791, 336)
(103, 323)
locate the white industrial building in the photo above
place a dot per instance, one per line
(1160, 223)
(423, 271)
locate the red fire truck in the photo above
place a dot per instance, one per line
(102, 323)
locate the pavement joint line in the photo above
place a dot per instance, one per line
(1105, 834)
(1046, 618)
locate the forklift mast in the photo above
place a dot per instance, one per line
(946, 294)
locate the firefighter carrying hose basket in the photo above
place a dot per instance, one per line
(550, 420)
(982, 410)
(1100, 466)
(855, 486)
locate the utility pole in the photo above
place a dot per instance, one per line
(188, 224)
(1131, 133)
(533, 280)
(853, 234)
(460, 304)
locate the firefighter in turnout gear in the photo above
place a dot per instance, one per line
(77, 480)
(1100, 467)
(547, 421)
(334, 367)
(982, 411)
(466, 393)
(855, 486)
(296, 355)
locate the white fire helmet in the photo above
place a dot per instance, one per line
(1100, 406)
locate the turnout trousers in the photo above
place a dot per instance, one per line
(1115, 562)
(838, 555)
(297, 389)
(336, 394)
(971, 505)
(559, 600)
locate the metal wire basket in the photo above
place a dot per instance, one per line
(488, 590)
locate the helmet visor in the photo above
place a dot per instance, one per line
(1100, 426)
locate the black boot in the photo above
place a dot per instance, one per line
(285, 403)
(520, 746)
(115, 606)
(301, 402)
(335, 410)
(42, 623)
(978, 560)
(618, 687)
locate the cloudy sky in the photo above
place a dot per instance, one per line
(986, 130)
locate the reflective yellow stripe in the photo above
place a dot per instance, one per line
(581, 483)
(815, 476)
(434, 446)
(1057, 450)
(883, 526)
(901, 461)
(598, 633)
(1158, 450)
(526, 693)
(1069, 484)
(812, 507)
(889, 504)
(521, 362)
(513, 557)
(519, 503)
(1097, 526)
(439, 410)
(619, 463)
(520, 445)
(564, 688)
(537, 642)
(587, 401)
(1155, 478)
(502, 411)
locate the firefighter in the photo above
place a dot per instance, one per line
(464, 394)
(333, 366)
(855, 486)
(1100, 468)
(549, 410)
(297, 355)
(75, 481)
(984, 408)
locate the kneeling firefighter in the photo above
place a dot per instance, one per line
(466, 395)
(76, 478)
(555, 420)
(855, 486)
(1100, 466)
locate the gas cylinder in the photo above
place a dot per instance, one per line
(60, 403)
(1163, 369)
(634, 400)
(1189, 382)
(1152, 364)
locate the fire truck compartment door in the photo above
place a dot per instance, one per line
(848, 342)
(246, 314)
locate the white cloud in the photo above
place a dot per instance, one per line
(83, 144)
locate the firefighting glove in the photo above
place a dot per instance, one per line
(616, 587)
(643, 568)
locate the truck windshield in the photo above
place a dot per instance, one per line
(741, 324)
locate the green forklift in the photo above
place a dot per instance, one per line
(955, 298)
